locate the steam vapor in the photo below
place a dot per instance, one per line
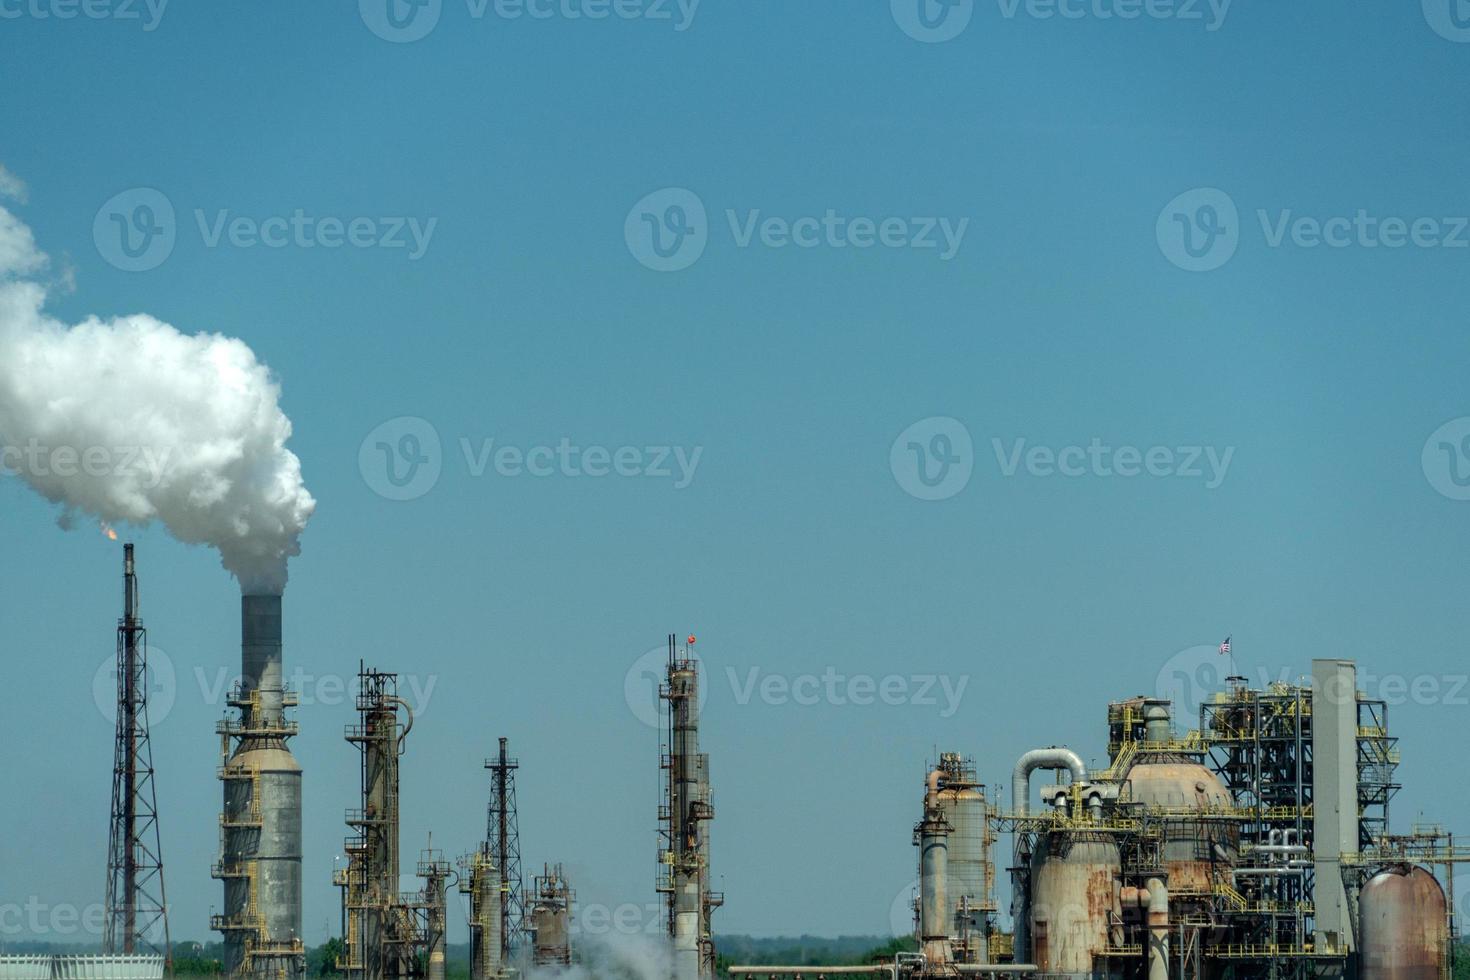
(129, 420)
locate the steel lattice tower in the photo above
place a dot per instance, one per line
(136, 910)
(503, 833)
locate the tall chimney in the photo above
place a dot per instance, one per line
(260, 827)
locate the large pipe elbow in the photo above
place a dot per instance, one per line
(1042, 759)
(931, 789)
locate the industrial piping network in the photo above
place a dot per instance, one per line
(1193, 856)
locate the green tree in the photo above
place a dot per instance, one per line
(322, 961)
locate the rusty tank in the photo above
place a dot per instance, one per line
(1404, 926)
(1193, 846)
(1074, 898)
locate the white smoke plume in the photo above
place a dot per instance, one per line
(613, 956)
(130, 421)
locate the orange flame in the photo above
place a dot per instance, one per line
(108, 531)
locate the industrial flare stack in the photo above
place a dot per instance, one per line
(260, 825)
(137, 910)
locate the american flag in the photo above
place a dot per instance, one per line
(1225, 646)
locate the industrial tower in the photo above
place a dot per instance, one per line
(137, 913)
(684, 868)
(479, 878)
(260, 824)
(551, 918)
(388, 935)
(504, 836)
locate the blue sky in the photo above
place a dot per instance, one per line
(800, 546)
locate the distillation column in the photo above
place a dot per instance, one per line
(932, 836)
(687, 807)
(482, 883)
(379, 938)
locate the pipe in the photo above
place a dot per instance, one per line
(1054, 758)
(1158, 930)
(985, 969)
(815, 971)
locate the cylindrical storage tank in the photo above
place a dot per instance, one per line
(1180, 786)
(1404, 927)
(1074, 882)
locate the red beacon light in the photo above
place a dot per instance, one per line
(691, 639)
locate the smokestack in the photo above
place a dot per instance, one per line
(261, 822)
(260, 648)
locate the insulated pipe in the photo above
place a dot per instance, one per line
(1158, 930)
(999, 969)
(1041, 759)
